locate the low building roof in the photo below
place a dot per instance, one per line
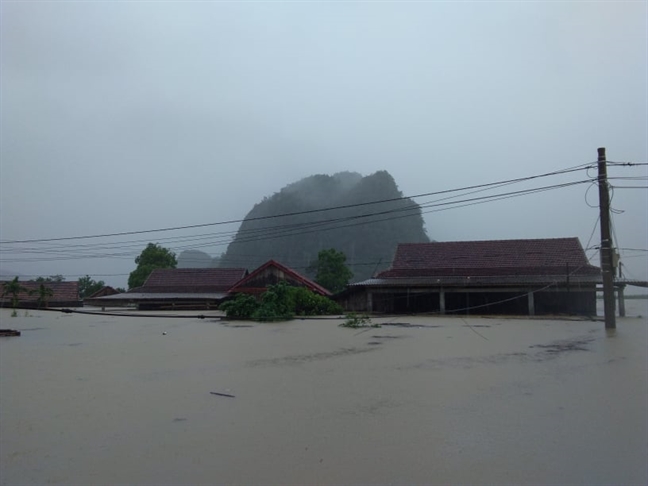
(490, 258)
(102, 292)
(62, 291)
(155, 296)
(478, 281)
(191, 280)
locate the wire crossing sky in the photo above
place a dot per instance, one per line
(76, 251)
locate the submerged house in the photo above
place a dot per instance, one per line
(204, 288)
(64, 294)
(271, 273)
(523, 277)
(102, 292)
(178, 288)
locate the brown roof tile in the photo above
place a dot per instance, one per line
(102, 292)
(188, 280)
(63, 291)
(550, 256)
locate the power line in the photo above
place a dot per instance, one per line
(257, 234)
(627, 163)
(176, 228)
(589, 240)
(329, 224)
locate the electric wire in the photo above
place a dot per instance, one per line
(333, 223)
(311, 211)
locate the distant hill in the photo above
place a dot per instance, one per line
(196, 259)
(366, 233)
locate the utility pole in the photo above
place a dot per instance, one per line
(606, 242)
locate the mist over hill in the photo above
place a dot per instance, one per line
(196, 259)
(366, 230)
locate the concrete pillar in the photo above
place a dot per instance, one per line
(369, 301)
(531, 304)
(621, 301)
(441, 301)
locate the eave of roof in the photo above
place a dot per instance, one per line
(479, 281)
(143, 296)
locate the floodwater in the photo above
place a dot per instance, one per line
(93, 400)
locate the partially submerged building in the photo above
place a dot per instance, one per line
(271, 273)
(178, 288)
(523, 277)
(102, 292)
(64, 294)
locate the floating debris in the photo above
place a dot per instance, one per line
(408, 325)
(9, 332)
(223, 394)
(563, 346)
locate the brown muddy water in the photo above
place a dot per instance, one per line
(94, 400)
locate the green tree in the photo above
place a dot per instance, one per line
(307, 303)
(44, 293)
(88, 286)
(277, 303)
(242, 306)
(280, 302)
(152, 257)
(331, 271)
(13, 288)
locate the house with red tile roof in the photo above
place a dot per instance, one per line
(526, 276)
(102, 292)
(271, 273)
(64, 294)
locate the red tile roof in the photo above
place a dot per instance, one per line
(490, 258)
(102, 292)
(64, 292)
(288, 272)
(191, 280)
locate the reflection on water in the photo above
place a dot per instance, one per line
(98, 400)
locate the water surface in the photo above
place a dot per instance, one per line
(111, 400)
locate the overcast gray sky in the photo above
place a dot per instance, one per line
(125, 116)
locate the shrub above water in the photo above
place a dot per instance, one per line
(280, 302)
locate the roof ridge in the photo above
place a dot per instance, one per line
(490, 241)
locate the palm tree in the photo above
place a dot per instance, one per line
(13, 288)
(44, 293)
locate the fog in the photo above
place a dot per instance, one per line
(129, 116)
